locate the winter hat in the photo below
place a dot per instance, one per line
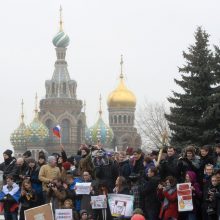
(8, 152)
(137, 217)
(27, 154)
(138, 211)
(82, 212)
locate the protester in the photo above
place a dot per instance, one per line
(137, 165)
(28, 198)
(167, 193)
(9, 197)
(151, 201)
(46, 175)
(8, 166)
(124, 168)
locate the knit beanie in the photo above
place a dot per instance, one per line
(8, 152)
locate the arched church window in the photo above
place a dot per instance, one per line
(111, 119)
(65, 131)
(64, 88)
(115, 119)
(119, 119)
(129, 119)
(53, 88)
(79, 132)
(49, 123)
(125, 119)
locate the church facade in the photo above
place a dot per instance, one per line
(61, 107)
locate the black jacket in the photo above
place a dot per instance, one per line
(124, 169)
(9, 167)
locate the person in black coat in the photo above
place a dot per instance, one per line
(124, 168)
(151, 202)
(105, 170)
(169, 165)
(8, 167)
(137, 162)
(205, 158)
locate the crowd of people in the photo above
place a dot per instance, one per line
(28, 183)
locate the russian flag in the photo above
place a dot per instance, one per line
(56, 131)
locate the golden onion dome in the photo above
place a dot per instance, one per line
(18, 138)
(121, 96)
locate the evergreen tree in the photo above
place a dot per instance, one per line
(189, 118)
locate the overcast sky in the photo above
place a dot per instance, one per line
(150, 34)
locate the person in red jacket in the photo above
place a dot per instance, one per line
(168, 195)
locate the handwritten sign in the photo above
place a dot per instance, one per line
(99, 202)
(184, 195)
(83, 188)
(121, 205)
(63, 214)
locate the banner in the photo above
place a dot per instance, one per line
(63, 214)
(184, 195)
(121, 205)
(43, 212)
(83, 188)
(99, 202)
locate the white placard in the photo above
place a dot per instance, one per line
(63, 214)
(184, 195)
(83, 188)
(99, 202)
(121, 205)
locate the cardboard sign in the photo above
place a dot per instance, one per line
(43, 212)
(83, 188)
(184, 195)
(99, 202)
(121, 205)
(63, 214)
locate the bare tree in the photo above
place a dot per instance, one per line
(152, 124)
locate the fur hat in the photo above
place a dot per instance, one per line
(8, 152)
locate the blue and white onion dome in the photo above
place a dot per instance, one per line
(61, 39)
(18, 138)
(36, 131)
(99, 132)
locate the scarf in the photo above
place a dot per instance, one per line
(170, 191)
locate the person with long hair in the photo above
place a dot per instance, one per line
(28, 197)
(167, 193)
(121, 186)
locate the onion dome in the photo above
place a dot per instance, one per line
(99, 132)
(36, 132)
(18, 136)
(121, 96)
(61, 39)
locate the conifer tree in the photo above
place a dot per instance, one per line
(188, 114)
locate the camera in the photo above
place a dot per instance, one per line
(50, 185)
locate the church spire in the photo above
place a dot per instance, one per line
(121, 63)
(100, 105)
(36, 106)
(22, 111)
(61, 19)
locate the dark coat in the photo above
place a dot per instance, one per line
(107, 173)
(124, 169)
(9, 168)
(137, 166)
(169, 167)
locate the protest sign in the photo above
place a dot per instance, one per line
(63, 214)
(99, 202)
(184, 195)
(83, 188)
(121, 205)
(43, 212)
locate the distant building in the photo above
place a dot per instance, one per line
(61, 106)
